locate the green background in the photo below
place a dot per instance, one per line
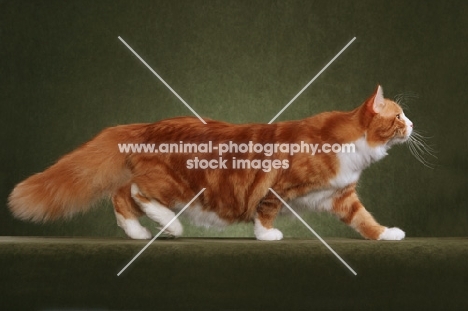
(65, 76)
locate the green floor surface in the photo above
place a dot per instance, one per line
(233, 274)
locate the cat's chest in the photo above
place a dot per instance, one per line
(352, 163)
(344, 177)
(350, 166)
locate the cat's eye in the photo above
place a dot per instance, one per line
(398, 116)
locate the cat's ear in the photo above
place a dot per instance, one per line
(376, 102)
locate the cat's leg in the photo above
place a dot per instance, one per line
(351, 211)
(127, 213)
(265, 217)
(157, 212)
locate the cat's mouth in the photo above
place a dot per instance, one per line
(402, 135)
(398, 138)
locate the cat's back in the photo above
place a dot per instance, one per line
(192, 129)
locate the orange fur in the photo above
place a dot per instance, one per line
(97, 169)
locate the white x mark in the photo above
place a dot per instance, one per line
(277, 115)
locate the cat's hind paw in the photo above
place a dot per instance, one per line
(175, 230)
(266, 234)
(133, 228)
(392, 234)
(269, 235)
(139, 233)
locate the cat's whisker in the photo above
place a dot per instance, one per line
(419, 149)
(401, 103)
(419, 135)
(425, 150)
(424, 146)
(420, 140)
(419, 157)
(421, 145)
(403, 99)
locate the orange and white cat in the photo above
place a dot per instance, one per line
(157, 184)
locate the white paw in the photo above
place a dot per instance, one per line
(175, 229)
(132, 227)
(140, 233)
(269, 235)
(392, 234)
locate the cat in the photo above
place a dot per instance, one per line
(157, 184)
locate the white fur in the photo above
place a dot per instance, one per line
(350, 167)
(264, 234)
(321, 200)
(409, 125)
(132, 227)
(158, 213)
(352, 164)
(392, 234)
(204, 218)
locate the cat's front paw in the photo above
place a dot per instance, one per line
(392, 234)
(269, 235)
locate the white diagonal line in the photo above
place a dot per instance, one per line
(162, 80)
(315, 233)
(162, 230)
(313, 79)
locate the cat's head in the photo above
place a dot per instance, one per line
(386, 123)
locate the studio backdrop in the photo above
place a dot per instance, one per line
(66, 75)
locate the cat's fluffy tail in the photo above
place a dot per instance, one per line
(79, 179)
